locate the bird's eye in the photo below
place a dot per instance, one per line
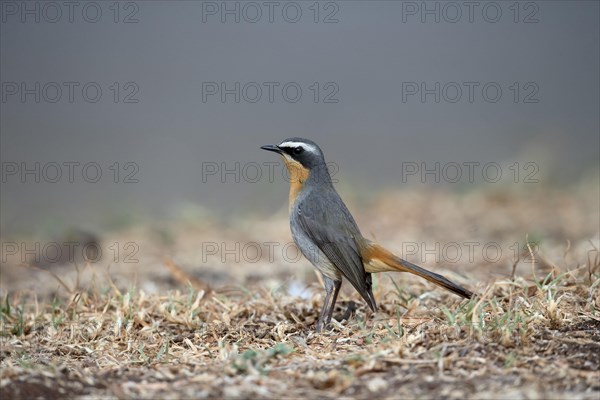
(298, 150)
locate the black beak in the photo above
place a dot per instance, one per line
(271, 147)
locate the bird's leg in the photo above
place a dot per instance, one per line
(323, 310)
(336, 291)
(330, 288)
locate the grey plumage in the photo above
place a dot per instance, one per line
(327, 235)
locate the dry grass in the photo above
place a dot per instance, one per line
(532, 332)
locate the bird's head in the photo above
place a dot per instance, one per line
(300, 152)
(303, 158)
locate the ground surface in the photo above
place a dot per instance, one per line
(198, 308)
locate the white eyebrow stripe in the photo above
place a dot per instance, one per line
(306, 146)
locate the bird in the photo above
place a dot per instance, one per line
(326, 234)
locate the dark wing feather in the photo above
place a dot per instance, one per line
(332, 228)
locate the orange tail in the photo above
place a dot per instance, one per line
(378, 259)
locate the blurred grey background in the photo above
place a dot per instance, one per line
(157, 64)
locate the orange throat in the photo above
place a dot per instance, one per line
(298, 175)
